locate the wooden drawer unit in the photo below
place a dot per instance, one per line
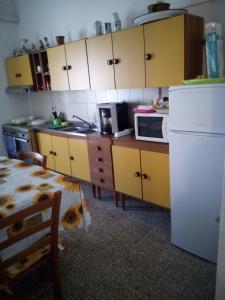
(100, 159)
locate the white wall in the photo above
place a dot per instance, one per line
(74, 19)
(11, 106)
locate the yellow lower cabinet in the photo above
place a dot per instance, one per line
(79, 159)
(155, 178)
(61, 154)
(45, 148)
(127, 171)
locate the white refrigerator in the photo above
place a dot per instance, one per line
(197, 150)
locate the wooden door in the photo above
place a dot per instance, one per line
(100, 58)
(128, 51)
(76, 56)
(61, 155)
(127, 171)
(155, 178)
(58, 68)
(45, 148)
(164, 52)
(79, 159)
(19, 70)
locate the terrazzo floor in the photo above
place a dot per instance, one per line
(127, 255)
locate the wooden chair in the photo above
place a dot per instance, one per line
(42, 251)
(37, 158)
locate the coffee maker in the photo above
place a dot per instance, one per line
(112, 117)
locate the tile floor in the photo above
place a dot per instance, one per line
(128, 255)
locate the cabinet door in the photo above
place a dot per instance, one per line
(79, 159)
(164, 51)
(61, 155)
(128, 49)
(76, 55)
(126, 165)
(45, 148)
(57, 68)
(100, 62)
(156, 188)
(19, 71)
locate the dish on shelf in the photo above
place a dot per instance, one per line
(149, 17)
(204, 81)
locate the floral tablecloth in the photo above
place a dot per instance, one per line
(22, 184)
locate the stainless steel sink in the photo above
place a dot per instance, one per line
(79, 130)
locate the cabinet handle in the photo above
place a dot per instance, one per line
(51, 152)
(100, 170)
(109, 62)
(69, 67)
(144, 176)
(101, 180)
(19, 75)
(116, 61)
(99, 159)
(98, 148)
(71, 158)
(55, 153)
(64, 68)
(148, 56)
(137, 174)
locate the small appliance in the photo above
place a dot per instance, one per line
(112, 117)
(151, 127)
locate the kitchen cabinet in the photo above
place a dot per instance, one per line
(78, 151)
(57, 151)
(142, 174)
(100, 158)
(42, 79)
(19, 70)
(68, 66)
(117, 60)
(173, 50)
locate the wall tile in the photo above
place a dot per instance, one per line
(92, 113)
(90, 96)
(78, 97)
(136, 95)
(111, 96)
(78, 109)
(101, 96)
(123, 95)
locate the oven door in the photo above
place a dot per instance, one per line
(14, 145)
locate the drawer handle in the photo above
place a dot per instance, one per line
(101, 180)
(71, 158)
(100, 170)
(116, 61)
(137, 174)
(144, 176)
(148, 56)
(99, 159)
(98, 148)
(109, 62)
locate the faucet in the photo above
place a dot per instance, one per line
(90, 125)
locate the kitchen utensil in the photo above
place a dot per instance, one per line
(98, 28)
(57, 122)
(37, 122)
(107, 28)
(159, 6)
(54, 114)
(117, 22)
(60, 39)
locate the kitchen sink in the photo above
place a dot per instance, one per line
(79, 130)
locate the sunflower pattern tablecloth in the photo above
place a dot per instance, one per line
(22, 184)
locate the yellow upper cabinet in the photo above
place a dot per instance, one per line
(79, 159)
(155, 178)
(19, 70)
(128, 50)
(173, 50)
(58, 68)
(68, 66)
(100, 60)
(76, 56)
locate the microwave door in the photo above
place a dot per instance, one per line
(149, 128)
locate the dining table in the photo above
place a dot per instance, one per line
(23, 184)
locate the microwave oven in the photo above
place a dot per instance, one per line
(151, 127)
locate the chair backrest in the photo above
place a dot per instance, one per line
(37, 158)
(49, 240)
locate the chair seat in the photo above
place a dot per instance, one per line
(28, 261)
